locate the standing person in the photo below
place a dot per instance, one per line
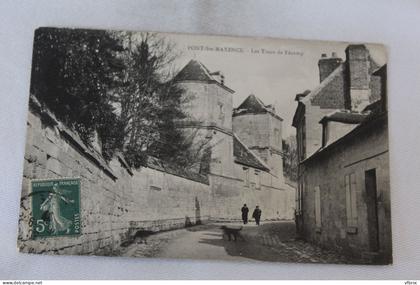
(245, 211)
(257, 215)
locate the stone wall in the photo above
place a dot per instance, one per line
(368, 151)
(208, 103)
(210, 107)
(229, 194)
(116, 201)
(262, 133)
(254, 130)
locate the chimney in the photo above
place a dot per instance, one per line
(358, 77)
(328, 65)
(271, 108)
(219, 77)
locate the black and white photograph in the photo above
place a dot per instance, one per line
(244, 149)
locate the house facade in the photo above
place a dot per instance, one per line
(343, 190)
(246, 163)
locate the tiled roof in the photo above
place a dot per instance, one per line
(253, 105)
(158, 164)
(245, 156)
(377, 116)
(194, 70)
(380, 70)
(344, 117)
(302, 95)
(371, 122)
(330, 93)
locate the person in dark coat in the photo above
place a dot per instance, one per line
(245, 211)
(257, 215)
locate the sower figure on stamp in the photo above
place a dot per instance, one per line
(257, 215)
(245, 211)
(58, 223)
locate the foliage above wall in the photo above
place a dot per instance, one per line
(114, 89)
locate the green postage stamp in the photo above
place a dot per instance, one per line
(55, 207)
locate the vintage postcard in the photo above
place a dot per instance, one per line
(162, 145)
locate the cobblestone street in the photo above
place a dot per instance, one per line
(271, 241)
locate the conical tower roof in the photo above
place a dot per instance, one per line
(194, 70)
(253, 105)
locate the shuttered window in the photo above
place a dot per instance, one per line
(317, 207)
(351, 201)
(257, 179)
(246, 177)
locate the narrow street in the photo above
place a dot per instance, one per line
(271, 241)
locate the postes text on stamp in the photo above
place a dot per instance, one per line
(55, 207)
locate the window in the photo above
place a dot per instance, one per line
(257, 179)
(221, 111)
(155, 188)
(317, 208)
(155, 183)
(351, 204)
(277, 138)
(246, 176)
(192, 95)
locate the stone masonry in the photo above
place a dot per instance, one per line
(116, 201)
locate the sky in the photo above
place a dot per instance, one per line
(279, 70)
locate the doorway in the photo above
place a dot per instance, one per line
(372, 209)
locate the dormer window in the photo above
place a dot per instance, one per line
(221, 111)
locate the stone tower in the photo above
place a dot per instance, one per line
(260, 128)
(209, 108)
